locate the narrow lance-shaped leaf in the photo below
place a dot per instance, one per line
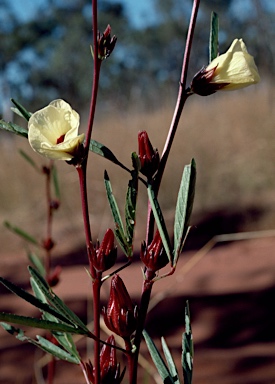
(55, 300)
(187, 348)
(121, 238)
(18, 231)
(39, 323)
(64, 339)
(105, 152)
(37, 263)
(184, 207)
(130, 207)
(171, 364)
(13, 128)
(158, 360)
(56, 351)
(42, 343)
(33, 300)
(112, 201)
(214, 37)
(22, 110)
(40, 296)
(159, 221)
(119, 229)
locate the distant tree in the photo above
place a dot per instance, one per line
(49, 56)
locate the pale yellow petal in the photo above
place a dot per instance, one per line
(52, 123)
(235, 67)
(62, 151)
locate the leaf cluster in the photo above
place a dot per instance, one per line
(57, 317)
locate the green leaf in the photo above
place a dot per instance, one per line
(14, 128)
(39, 323)
(214, 37)
(40, 296)
(120, 236)
(158, 360)
(112, 202)
(54, 300)
(184, 207)
(105, 152)
(159, 221)
(42, 343)
(18, 231)
(34, 300)
(135, 161)
(187, 348)
(130, 207)
(29, 160)
(119, 229)
(170, 362)
(23, 112)
(56, 351)
(55, 182)
(66, 340)
(37, 262)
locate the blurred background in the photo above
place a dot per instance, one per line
(45, 54)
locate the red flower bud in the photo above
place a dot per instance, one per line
(104, 255)
(48, 244)
(154, 256)
(121, 314)
(54, 277)
(106, 43)
(148, 156)
(109, 368)
(54, 204)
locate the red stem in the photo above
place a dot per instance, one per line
(145, 299)
(96, 73)
(82, 172)
(81, 169)
(47, 263)
(131, 358)
(51, 370)
(96, 304)
(181, 99)
(49, 218)
(96, 277)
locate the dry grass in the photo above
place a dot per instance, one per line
(231, 136)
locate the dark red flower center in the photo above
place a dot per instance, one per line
(60, 139)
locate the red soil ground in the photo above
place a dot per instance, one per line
(231, 291)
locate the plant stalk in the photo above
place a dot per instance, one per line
(96, 305)
(181, 99)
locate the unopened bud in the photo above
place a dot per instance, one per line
(104, 255)
(154, 256)
(106, 43)
(54, 277)
(120, 316)
(48, 244)
(109, 368)
(148, 156)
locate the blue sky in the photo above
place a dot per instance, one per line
(140, 11)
